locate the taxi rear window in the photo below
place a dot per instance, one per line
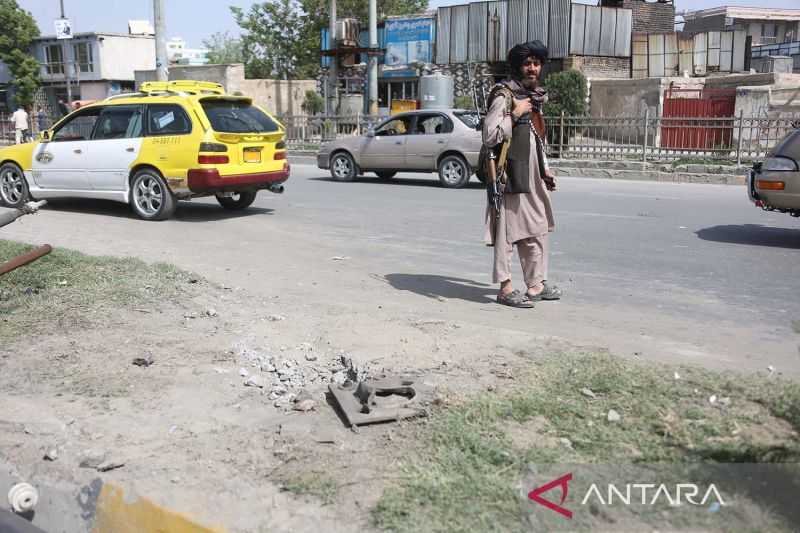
(237, 117)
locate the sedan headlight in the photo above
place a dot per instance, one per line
(779, 164)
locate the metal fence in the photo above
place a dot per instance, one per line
(645, 138)
(729, 139)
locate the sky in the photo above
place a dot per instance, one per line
(184, 19)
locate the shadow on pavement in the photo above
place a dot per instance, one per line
(186, 211)
(752, 234)
(442, 287)
(400, 181)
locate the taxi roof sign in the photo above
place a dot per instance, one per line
(182, 86)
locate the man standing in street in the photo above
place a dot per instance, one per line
(41, 119)
(524, 214)
(20, 120)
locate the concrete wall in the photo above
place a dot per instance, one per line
(230, 76)
(120, 56)
(630, 98)
(94, 90)
(279, 97)
(781, 64)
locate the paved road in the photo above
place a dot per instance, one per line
(678, 272)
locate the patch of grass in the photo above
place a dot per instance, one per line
(317, 485)
(471, 457)
(65, 288)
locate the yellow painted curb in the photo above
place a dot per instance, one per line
(116, 515)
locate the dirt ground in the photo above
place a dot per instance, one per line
(194, 437)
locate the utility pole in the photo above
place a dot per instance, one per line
(373, 59)
(333, 82)
(66, 64)
(162, 63)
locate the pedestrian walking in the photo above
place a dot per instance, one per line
(41, 119)
(20, 120)
(520, 214)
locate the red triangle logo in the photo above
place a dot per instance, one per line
(562, 482)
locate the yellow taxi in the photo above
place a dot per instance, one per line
(170, 141)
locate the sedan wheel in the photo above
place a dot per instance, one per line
(343, 168)
(453, 172)
(151, 199)
(13, 187)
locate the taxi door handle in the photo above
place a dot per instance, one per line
(129, 149)
(398, 142)
(440, 141)
(77, 151)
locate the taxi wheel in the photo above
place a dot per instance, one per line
(343, 168)
(13, 186)
(151, 199)
(239, 200)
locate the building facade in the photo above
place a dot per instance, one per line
(764, 26)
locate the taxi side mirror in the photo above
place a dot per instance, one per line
(44, 135)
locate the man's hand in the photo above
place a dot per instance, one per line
(549, 181)
(522, 107)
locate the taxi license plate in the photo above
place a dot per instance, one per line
(252, 155)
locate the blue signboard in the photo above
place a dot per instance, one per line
(408, 40)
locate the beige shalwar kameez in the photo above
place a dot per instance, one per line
(525, 218)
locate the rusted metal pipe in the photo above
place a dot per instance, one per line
(24, 259)
(27, 209)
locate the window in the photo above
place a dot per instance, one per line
(236, 116)
(54, 59)
(79, 127)
(167, 119)
(433, 124)
(119, 122)
(470, 118)
(396, 126)
(83, 56)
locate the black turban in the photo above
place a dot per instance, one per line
(521, 52)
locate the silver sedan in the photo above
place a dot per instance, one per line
(443, 141)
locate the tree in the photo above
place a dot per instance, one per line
(566, 92)
(19, 30)
(224, 49)
(313, 103)
(276, 43)
(281, 38)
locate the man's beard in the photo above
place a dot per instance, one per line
(530, 83)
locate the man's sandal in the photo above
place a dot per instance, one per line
(515, 299)
(550, 292)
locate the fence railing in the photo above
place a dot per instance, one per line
(732, 139)
(642, 138)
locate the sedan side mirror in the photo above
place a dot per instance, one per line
(370, 133)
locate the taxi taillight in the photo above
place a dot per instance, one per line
(212, 159)
(215, 159)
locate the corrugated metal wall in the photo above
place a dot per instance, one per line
(459, 23)
(672, 54)
(478, 27)
(600, 31)
(558, 38)
(497, 25)
(538, 20)
(517, 23)
(443, 35)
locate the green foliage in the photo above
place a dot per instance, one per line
(313, 103)
(464, 102)
(282, 38)
(566, 91)
(276, 41)
(18, 30)
(224, 49)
